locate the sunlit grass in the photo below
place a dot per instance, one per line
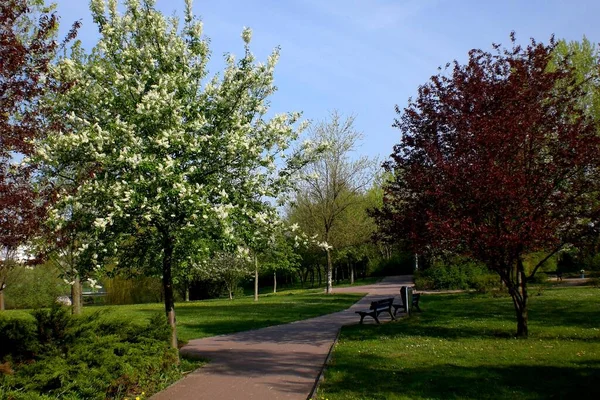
(462, 347)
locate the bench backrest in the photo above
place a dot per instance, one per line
(382, 303)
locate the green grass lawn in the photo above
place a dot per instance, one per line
(198, 319)
(462, 347)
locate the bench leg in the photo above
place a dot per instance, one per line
(376, 319)
(391, 315)
(362, 317)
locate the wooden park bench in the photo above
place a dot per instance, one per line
(377, 307)
(407, 296)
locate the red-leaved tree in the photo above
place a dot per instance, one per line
(497, 160)
(26, 50)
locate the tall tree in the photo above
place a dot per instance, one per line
(356, 229)
(498, 160)
(332, 183)
(583, 56)
(27, 47)
(162, 155)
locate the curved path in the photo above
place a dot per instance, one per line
(278, 362)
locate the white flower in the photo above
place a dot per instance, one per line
(247, 35)
(325, 246)
(100, 223)
(221, 211)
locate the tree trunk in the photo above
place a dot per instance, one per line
(230, 294)
(255, 278)
(352, 274)
(76, 296)
(187, 292)
(2, 308)
(329, 273)
(274, 282)
(168, 246)
(319, 274)
(520, 298)
(522, 329)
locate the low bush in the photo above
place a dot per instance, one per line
(595, 282)
(456, 273)
(34, 287)
(539, 278)
(484, 282)
(92, 357)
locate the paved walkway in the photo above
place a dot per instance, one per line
(279, 362)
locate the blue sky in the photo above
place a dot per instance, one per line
(365, 56)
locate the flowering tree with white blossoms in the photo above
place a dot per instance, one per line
(161, 154)
(267, 236)
(229, 268)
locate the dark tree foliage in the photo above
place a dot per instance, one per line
(497, 159)
(25, 55)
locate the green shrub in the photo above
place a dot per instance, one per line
(485, 282)
(595, 282)
(591, 262)
(53, 323)
(539, 277)
(456, 273)
(18, 339)
(423, 282)
(34, 287)
(92, 357)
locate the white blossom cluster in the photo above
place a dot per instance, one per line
(150, 144)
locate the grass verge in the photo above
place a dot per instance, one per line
(462, 347)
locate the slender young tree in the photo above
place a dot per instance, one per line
(497, 160)
(332, 183)
(162, 155)
(229, 268)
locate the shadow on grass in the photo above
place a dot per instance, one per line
(446, 381)
(554, 308)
